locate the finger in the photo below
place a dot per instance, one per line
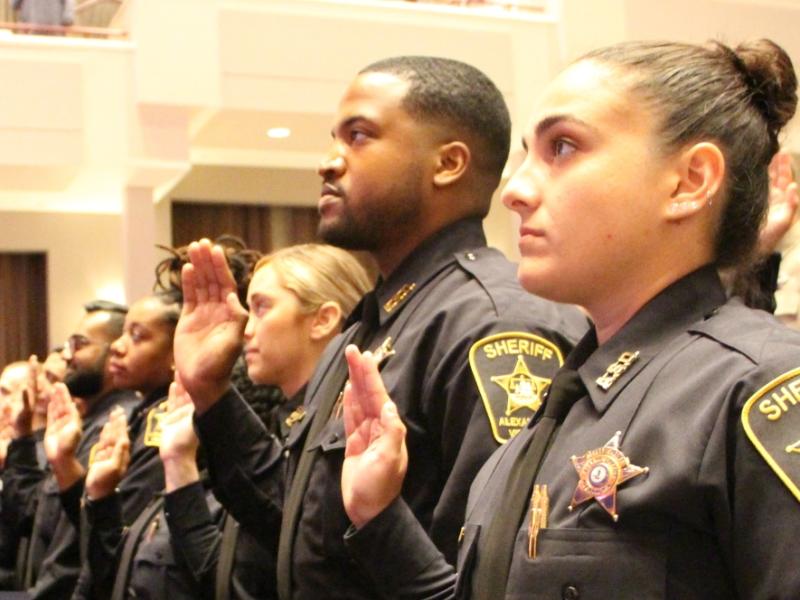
(356, 374)
(222, 272)
(236, 308)
(374, 389)
(189, 285)
(172, 397)
(201, 285)
(352, 413)
(33, 380)
(394, 430)
(121, 453)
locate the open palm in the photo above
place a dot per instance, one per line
(208, 337)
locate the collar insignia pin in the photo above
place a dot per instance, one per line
(384, 351)
(398, 297)
(600, 473)
(616, 369)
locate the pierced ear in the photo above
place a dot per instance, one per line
(326, 321)
(701, 173)
(452, 162)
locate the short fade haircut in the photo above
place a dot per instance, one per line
(460, 95)
(116, 313)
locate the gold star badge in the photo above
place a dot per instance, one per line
(600, 472)
(524, 389)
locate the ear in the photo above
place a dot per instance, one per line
(326, 321)
(453, 159)
(700, 174)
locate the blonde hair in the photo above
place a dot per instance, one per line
(318, 273)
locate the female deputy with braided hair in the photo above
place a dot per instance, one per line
(664, 463)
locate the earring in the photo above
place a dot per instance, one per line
(710, 198)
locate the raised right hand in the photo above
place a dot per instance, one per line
(61, 437)
(64, 425)
(208, 338)
(110, 456)
(179, 442)
(376, 457)
(22, 413)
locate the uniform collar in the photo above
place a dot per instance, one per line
(694, 297)
(419, 267)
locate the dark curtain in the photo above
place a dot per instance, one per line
(23, 306)
(252, 223)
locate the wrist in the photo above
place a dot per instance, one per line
(23, 428)
(67, 472)
(207, 396)
(179, 472)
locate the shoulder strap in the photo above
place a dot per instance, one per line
(227, 552)
(131, 544)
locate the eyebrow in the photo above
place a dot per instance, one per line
(347, 123)
(549, 122)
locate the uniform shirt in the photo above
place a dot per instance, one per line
(195, 526)
(54, 539)
(709, 520)
(143, 479)
(451, 292)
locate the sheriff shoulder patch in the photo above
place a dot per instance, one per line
(513, 369)
(771, 420)
(152, 434)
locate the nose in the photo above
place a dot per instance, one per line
(118, 346)
(66, 353)
(522, 192)
(249, 329)
(332, 164)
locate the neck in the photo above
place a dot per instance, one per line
(610, 314)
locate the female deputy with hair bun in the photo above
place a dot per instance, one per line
(665, 462)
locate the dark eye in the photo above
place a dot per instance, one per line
(562, 147)
(357, 135)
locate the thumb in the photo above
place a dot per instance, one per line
(392, 424)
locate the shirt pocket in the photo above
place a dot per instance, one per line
(588, 564)
(467, 548)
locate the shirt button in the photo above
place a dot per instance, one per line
(570, 592)
(470, 256)
(286, 453)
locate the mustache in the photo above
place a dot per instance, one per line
(330, 188)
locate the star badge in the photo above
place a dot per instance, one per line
(600, 472)
(524, 389)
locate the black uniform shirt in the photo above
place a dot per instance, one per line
(709, 520)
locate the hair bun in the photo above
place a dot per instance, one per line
(771, 77)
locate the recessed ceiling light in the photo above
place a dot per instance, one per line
(279, 132)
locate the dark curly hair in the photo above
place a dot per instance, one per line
(241, 261)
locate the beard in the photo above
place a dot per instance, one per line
(346, 233)
(84, 383)
(371, 227)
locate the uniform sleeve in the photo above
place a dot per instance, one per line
(22, 481)
(71, 502)
(395, 537)
(104, 518)
(766, 525)
(194, 533)
(245, 464)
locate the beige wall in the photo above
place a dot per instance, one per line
(84, 260)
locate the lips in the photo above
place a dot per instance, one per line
(530, 231)
(116, 368)
(330, 195)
